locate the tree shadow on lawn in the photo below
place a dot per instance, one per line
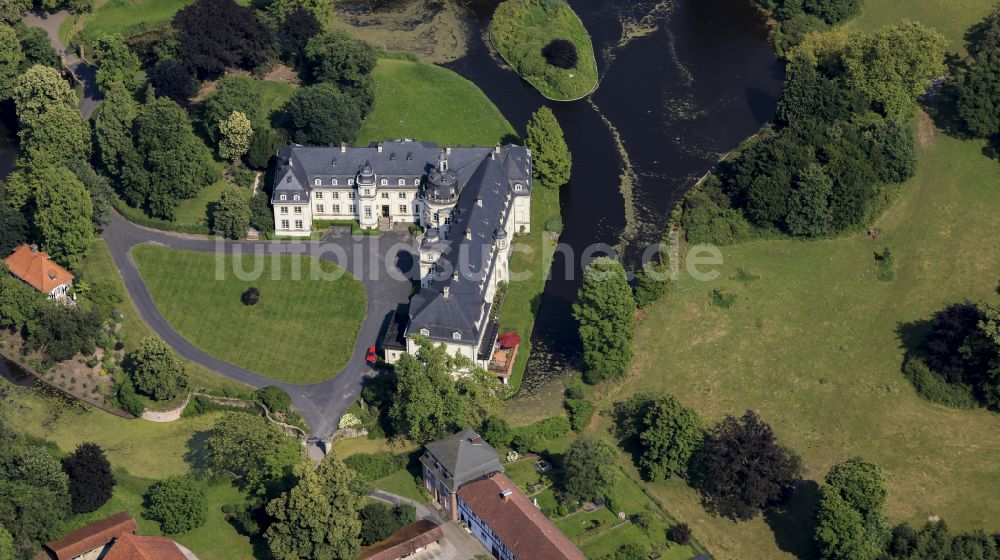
(197, 452)
(794, 522)
(913, 335)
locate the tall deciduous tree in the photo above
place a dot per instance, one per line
(177, 503)
(296, 29)
(171, 79)
(321, 115)
(13, 226)
(11, 11)
(590, 469)
(170, 162)
(113, 128)
(338, 58)
(605, 310)
(231, 216)
(6, 544)
(742, 468)
(11, 58)
(550, 155)
(34, 491)
(809, 211)
(321, 10)
(64, 215)
(218, 34)
(52, 129)
(90, 480)
(156, 370)
(894, 65)
(430, 403)
(235, 133)
(850, 520)
(116, 63)
(37, 48)
(318, 517)
(671, 433)
(250, 448)
(232, 93)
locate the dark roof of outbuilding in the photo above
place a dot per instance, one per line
(465, 456)
(89, 537)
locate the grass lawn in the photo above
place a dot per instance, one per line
(302, 330)
(521, 29)
(950, 17)
(401, 483)
(98, 266)
(435, 104)
(195, 210)
(814, 347)
(127, 17)
(145, 449)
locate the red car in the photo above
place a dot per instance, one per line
(371, 357)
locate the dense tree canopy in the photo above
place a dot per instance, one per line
(974, 86)
(34, 490)
(52, 129)
(64, 215)
(20, 304)
(235, 133)
(671, 434)
(321, 115)
(429, 403)
(218, 34)
(379, 520)
(742, 469)
(935, 542)
(318, 517)
(116, 63)
(177, 503)
(232, 94)
(250, 448)
(296, 29)
(170, 163)
(605, 310)
(13, 225)
(11, 58)
(156, 370)
(850, 520)
(231, 215)
(338, 58)
(171, 79)
(90, 480)
(113, 128)
(550, 155)
(37, 48)
(590, 469)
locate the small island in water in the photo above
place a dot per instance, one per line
(547, 44)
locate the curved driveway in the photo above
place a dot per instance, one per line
(379, 262)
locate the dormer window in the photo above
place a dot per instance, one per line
(350, 181)
(517, 186)
(456, 335)
(295, 197)
(416, 182)
(384, 181)
(318, 181)
(425, 332)
(283, 197)
(333, 182)
(402, 182)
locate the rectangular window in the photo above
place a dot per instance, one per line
(402, 209)
(402, 195)
(298, 209)
(284, 224)
(298, 224)
(336, 209)
(368, 211)
(350, 195)
(354, 209)
(319, 195)
(319, 208)
(385, 196)
(336, 195)
(284, 209)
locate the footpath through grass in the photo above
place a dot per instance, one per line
(520, 29)
(815, 347)
(302, 330)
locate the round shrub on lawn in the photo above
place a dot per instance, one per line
(177, 504)
(561, 53)
(251, 296)
(274, 398)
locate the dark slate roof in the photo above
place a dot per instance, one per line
(478, 219)
(299, 166)
(465, 456)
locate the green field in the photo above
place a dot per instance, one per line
(814, 346)
(434, 104)
(98, 266)
(302, 330)
(950, 17)
(127, 17)
(521, 29)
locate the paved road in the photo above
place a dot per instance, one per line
(367, 257)
(85, 73)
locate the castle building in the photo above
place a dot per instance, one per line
(470, 203)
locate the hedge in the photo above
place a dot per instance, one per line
(373, 466)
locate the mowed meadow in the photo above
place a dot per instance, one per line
(815, 346)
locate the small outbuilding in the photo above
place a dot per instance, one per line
(114, 538)
(36, 269)
(404, 542)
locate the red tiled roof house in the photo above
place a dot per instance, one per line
(36, 269)
(113, 538)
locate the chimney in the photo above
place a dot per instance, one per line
(447, 150)
(444, 292)
(505, 495)
(380, 147)
(34, 248)
(476, 440)
(343, 147)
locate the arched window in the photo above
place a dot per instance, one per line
(318, 181)
(333, 182)
(295, 197)
(384, 181)
(402, 182)
(283, 197)
(517, 186)
(350, 181)
(416, 182)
